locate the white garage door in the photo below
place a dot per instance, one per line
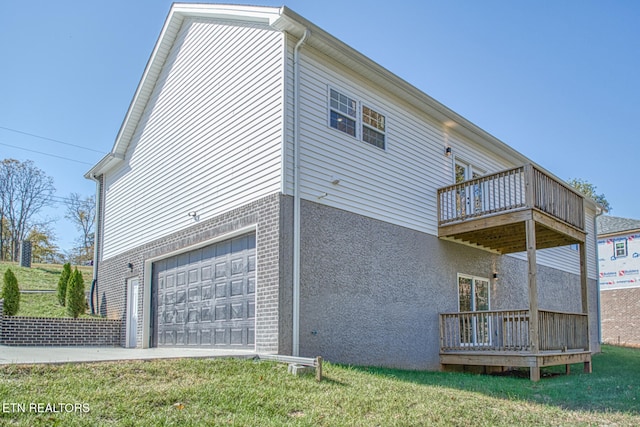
(206, 298)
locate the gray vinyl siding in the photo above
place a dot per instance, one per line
(210, 136)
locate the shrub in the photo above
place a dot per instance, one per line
(62, 284)
(10, 293)
(75, 294)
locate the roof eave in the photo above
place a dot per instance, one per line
(105, 164)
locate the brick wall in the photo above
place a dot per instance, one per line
(40, 331)
(620, 313)
(272, 305)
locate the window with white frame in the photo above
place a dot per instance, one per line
(342, 112)
(373, 127)
(620, 248)
(343, 116)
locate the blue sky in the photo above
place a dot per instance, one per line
(558, 81)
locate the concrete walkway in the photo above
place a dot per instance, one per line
(34, 355)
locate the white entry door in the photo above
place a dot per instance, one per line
(132, 312)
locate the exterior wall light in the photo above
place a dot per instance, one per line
(447, 151)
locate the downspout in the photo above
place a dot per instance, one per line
(599, 212)
(296, 197)
(95, 309)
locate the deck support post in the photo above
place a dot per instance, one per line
(584, 287)
(533, 294)
(534, 373)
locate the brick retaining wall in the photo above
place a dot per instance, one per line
(40, 331)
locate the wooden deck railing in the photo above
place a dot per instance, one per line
(561, 331)
(512, 189)
(508, 331)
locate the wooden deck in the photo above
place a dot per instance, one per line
(518, 210)
(491, 211)
(501, 338)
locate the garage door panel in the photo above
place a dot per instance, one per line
(221, 313)
(237, 266)
(206, 314)
(194, 294)
(221, 290)
(207, 292)
(193, 276)
(205, 337)
(206, 273)
(221, 270)
(236, 287)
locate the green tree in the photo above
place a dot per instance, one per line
(62, 284)
(589, 190)
(43, 249)
(75, 294)
(10, 293)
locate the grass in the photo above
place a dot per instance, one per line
(42, 277)
(247, 393)
(43, 305)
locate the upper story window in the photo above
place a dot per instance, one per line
(343, 116)
(372, 127)
(620, 248)
(343, 113)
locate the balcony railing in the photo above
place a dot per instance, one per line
(513, 189)
(508, 331)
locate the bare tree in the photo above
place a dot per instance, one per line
(24, 191)
(82, 212)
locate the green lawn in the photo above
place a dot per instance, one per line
(42, 277)
(248, 393)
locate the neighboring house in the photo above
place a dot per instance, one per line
(619, 258)
(273, 189)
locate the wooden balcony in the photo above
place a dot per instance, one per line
(517, 210)
(501, 338)
(491, 211)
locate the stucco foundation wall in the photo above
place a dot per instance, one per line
(273, 300)
(621, 316)
(371, 291)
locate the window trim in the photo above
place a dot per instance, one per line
(360, 124)
(364, 125)
(624, 241)
(344, 114)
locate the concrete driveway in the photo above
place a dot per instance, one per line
(34, 355)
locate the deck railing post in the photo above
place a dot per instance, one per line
(529, 186)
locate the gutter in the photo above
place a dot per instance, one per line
(296, 196)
